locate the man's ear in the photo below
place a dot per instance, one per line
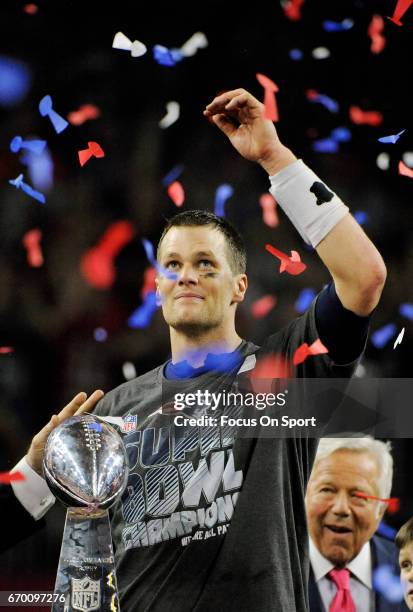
(240, 288)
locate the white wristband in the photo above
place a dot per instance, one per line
(311, 207)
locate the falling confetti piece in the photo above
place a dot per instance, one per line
(20, 184)
(382, 336)
(40, 169)
(293, 264)
(30, 9)
(5, 350)
(399, 338)
(148, 246)
(93, 150)
(176, 193)
(295, 54)
(305, 350)
(406, 310)
(173, 174)
(326, 101)
(392, 139)
(143, 315)
(46, 110)
(270, 103)
(97, 263)
(222, 194)
(172, 115)
(341, 134)
(408, 158)
(304, 299)
(361, 217)
(269, 210)
(383, 161)
(375, 29)
(34, 146)
(387, 582)
(122, 42)
(325, 145)
(85, 113)
(128, 370)
(31, 242)
(360, 117)
(193, 44)
(260, 308)
(166, 57)
(337, 26)
(100, 334)
(401, 7)
(320, 53)
(7, 477)
(292, 9)
(404, 170)
(393, 502)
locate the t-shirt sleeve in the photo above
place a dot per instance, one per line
(304, 330)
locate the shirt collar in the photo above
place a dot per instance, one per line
(360, 566)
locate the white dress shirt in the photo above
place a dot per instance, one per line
(360, 578)
(33, 492)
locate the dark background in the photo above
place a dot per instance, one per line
(49, 314)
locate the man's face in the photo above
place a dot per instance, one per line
(406, 573)
(339, 522)
(199, 299)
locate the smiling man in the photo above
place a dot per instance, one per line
(344, 551)
(210, 520)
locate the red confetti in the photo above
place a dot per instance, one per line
(85, 112)
(304, 351)
(30, 9)
(7, 478)
(4, 350)
(267, 368)
(97, 263)
(405, 170)
(399, 11)
(361, 117)
(269, 212)
(270, 103)
(176, 193)
(260, 308)
(31, 242)
(148, 282)
(375, 29)
(293, 265)
(94, 150)
(292, 9)
(393, 502)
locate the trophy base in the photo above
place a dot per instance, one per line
(86, 578)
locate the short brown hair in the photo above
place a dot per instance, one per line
(405, 534)
(235, 244)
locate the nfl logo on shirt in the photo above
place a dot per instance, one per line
(129, 423)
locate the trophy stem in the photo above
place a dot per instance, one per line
(86, 578)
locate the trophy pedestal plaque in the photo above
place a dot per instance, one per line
(86, 573)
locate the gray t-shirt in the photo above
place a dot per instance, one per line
(208, 522)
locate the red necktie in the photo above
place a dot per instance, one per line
(343, 601)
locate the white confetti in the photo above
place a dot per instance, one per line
(408, 158)
(128, 370)
(320, 53)
(197, 41)
(172, 114)
(383, 161)
(122, 42)
(399, 338)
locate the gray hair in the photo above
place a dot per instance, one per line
(380, 451)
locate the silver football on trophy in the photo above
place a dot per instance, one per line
(85, 463)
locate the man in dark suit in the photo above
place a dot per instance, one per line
(342, 520)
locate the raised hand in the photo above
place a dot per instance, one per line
(241, 117)
(79, 404)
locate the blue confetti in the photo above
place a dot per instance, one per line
(386, 531)
(165, 56)
(383, 335)
(46, 110)
(19, 184)
(295, 54)
(34, 146)
(392, 139)
(386, 582)
(40, 169)
(15, 79)
(337, 26)
(341, 134)
(142, 316)
(406, 310)
(173, 175)
(326, 145)
(100, 334)
(151, 258)
(305, 299)
(361, 217)
(329, 103)
(222, 194)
